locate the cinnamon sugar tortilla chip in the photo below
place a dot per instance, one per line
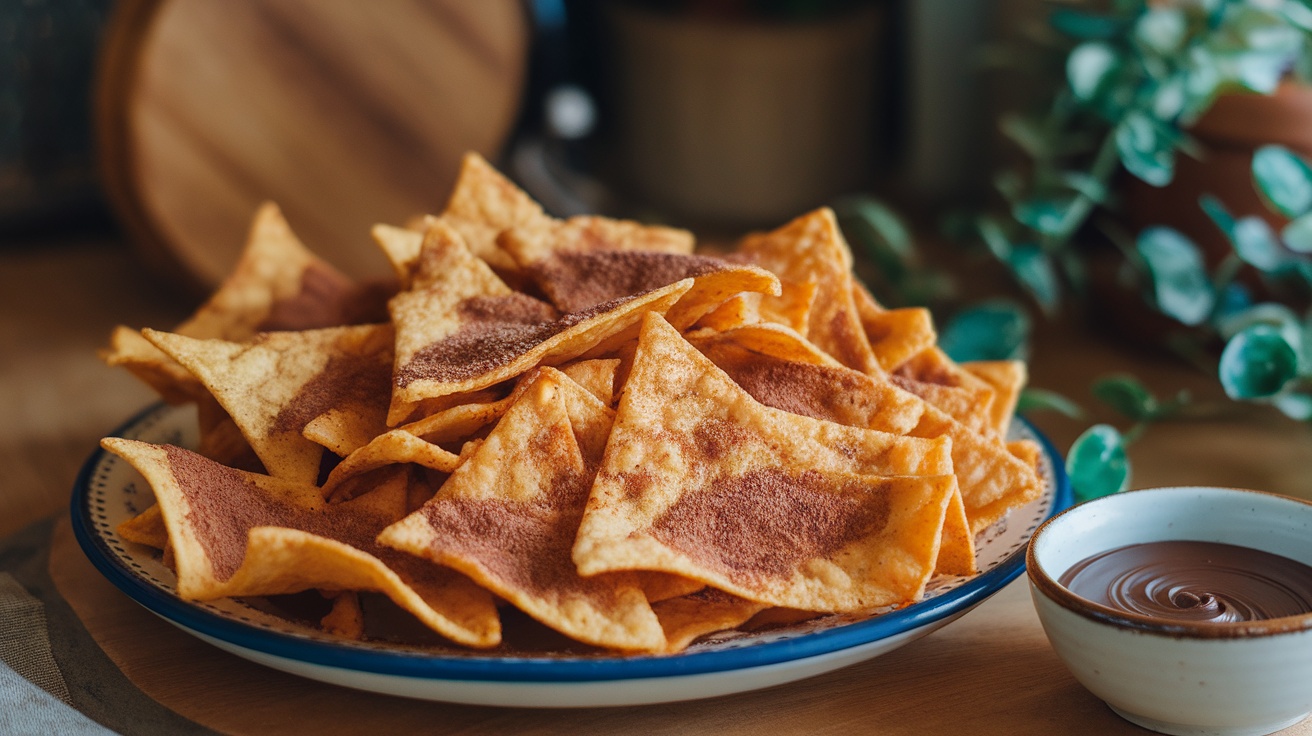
(390, 448)
(660, 586)
(277, 284)
(811, 248)
(346, 619)
(702, 481)
(483, 205)
(596, 376)
(956, 550)
(1006, 378)
(145, 528)
(707, 611)
(736, 311)
(130, 350)
(543, 239)
(461, 329)
(401, 246)
(578, 280)
(989, 476)
(241, 534)
(278, 382)
(507, 519)
(894, 334)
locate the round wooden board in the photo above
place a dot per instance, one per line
(345, 113)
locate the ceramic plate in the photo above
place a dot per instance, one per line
(109, 491)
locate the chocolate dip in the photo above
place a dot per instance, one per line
(1196, 582)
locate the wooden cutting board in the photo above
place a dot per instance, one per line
(345, 113)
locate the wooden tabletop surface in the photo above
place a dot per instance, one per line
(991, 672)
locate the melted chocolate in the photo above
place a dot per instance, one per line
(1202, 582)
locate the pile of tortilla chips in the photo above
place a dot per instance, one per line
(630, 443)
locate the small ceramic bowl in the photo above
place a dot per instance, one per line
(1176, 677)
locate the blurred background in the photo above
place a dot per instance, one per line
(173, 119)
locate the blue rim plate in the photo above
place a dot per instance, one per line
(108, 491)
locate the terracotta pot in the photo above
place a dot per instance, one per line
(1232, 129)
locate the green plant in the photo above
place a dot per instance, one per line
(1137, 76)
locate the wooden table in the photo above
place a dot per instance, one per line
(992, 672)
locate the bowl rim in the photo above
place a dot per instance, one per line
(1054, 591)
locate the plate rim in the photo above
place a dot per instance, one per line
(346, 655)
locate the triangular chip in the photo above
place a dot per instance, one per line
(235, 534)
(543, 239)
(277, 284)
(578, 280)
(894, 334)
(936, 378)
(483, 205)
(274, 385)
(991, 479)
(705, 612)
(507, 519)
(811, 248)
(1006, 378)
(596, 376)
(702, 481)
(461, 329)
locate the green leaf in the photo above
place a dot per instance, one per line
(1034, 270)
(1273, 314)
(1144, 151)
(1086, 185)
(1218, 213)
(1257, 363)
(1283, 179)
(1047, 216)
(1297, 235)
(1256, 244)
(1097, 463)
(1088, 67)
(1083, 25)
(1297, 13)
(994, 330)
(1127, 396)
(1180, 280)
(1294, 406)
(1040, 399)
(995, 237)
(1026, 133)
(1162, 30)
(879, 233)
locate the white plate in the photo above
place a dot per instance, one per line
(109, 491)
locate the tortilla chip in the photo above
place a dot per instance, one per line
(596, 376)
(461, 329)
(401, 246)
(705, 612)
(546, 238)
(346, 619)
(483, 205)
(1006, 378)
(507, 519)
(692, 459)
(240, 534)
(956, 551)
(811, 248)
(577, 281)
(894, 334)
(274, 385)
(990, 478)
(146, 528)
(129, 349)
(390, 448)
